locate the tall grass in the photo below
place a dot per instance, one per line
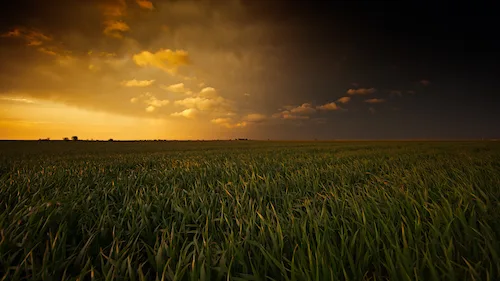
(249, 211)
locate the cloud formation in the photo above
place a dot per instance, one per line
(329, 106)
(145, 4)
(344, 100)
(176, 88)
(114, 28)
(228, 123)
(361, 91)
(189, 113)
(137, 83)
(32, 37)
(374, 100)
(164, 59)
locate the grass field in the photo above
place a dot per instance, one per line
(248, 210)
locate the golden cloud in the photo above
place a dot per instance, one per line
(361, 91)
(375, 100)
(227, 122)
(177, 88)
(145, 4)
(31, 36)
(114, 27)
(166, 60)
(137, 83)
(189, 113)
(329, 106)
(113, 8)
(304, 109)
(344, 99)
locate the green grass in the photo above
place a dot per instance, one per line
(250, 211)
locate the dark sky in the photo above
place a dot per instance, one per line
(411, 69)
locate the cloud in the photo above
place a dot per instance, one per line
(295, 112)
(289, 116)
(227, 122)
(425, 82)
(145, 4)
(361, 91)
(208, 92)
(14, 99)
(189, 113)
(32, 37)
(344, 99)
(329, 106)
(113, 28)
(177, 88)
(113, 8)
(164, 59)
(411, 92)
(375, 100)
(150, 100)
(246, 94)
(206, 100)
(255, 118)
(304, 109)
(137, 83)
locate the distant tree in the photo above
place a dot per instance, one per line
(74, 138)
(66, 139)
(110, 140)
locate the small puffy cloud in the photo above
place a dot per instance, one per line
(255, 117)
(361, 91)
(375, 100)
(246, 94)
(166, 60)
(227, 122)
(296, 113)
(208, 92)
(202, 104)
(425, 82)
(189, 113)
(344, 100)
(151, 101)
(137, 83)
(113, 28)
(289, 116)
(177, 88)
(145, 4)
(304, 109)
(411, 92)
(157, 103)
(207, 100)
(329, 106)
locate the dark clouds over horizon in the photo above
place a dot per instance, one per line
(261, 69)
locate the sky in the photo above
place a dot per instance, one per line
(207, 69)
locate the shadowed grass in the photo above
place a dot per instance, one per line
(250, 211)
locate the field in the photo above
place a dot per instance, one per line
(249, 210)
